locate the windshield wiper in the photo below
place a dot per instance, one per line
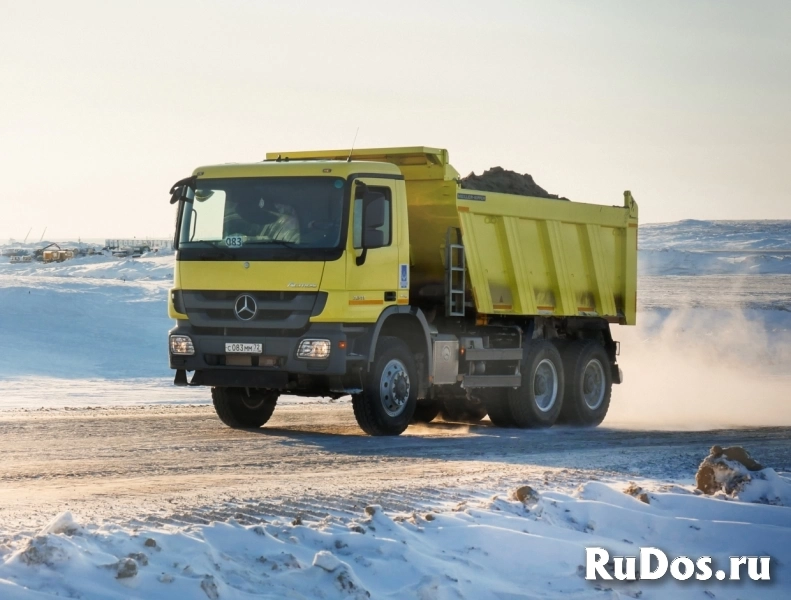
(285, 244)
(224, 252)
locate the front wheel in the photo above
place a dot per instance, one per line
(243, 408)
(389, 397)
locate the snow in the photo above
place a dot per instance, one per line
(716, 235)
(493, 548)
(688, 262)
(766, 487)
(715, 247)
(150, 266)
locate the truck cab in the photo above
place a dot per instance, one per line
(282, 268)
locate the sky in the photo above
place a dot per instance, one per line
(103, 105)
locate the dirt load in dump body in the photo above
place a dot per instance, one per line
(504, 181)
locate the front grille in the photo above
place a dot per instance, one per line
(247, 332)
(261, 315)
(276, 310)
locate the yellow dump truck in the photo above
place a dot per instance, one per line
(374, 273)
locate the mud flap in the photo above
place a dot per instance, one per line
(617, 374)
(181, 378)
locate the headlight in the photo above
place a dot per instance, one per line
(181, 344)
(314, 349)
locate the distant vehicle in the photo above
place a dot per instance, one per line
(21, 259)
(53, 253)
(132, 252)
(376, 273)
(49, 256)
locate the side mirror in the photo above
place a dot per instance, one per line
(183, 189)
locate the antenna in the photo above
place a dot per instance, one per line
(28, 235)
(353, 143)
(42, 234)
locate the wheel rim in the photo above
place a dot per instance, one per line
(545, 385)
(593, 384)
(394, 387)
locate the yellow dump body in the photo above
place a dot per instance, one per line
(524, 255)
(534, 256)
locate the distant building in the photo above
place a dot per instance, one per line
(151, 244)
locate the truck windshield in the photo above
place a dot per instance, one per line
(248, 214)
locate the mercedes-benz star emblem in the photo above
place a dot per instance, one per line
(245, 307)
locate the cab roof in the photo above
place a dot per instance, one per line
(296, 168)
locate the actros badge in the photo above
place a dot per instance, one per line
(245, 307)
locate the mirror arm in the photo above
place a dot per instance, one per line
(361, 259)
(178, 191)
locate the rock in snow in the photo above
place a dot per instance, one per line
(735, 473)
(326, 560)
(725, 470)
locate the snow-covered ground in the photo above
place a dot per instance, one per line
(713, 348)
(717, 235)
(715, 247)
(490, 548)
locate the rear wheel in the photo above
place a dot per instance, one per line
(498, 409)
(242, 408)
(537, 403)
(588, 383)
(389, 397)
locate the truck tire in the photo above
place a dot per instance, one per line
(426, 411)
(389, 397)
(498, 408)
(539, 401)
(588, 383)
(243, 409)
(462, 411)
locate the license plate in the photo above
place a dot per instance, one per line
(244, 348)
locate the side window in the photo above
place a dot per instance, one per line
(386, 228)
(203, 218)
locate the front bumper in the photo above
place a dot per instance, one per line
(212, 366)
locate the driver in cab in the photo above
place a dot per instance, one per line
(264, 220)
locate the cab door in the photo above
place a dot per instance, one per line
(373, 273)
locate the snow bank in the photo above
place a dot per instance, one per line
(150, 266)
(689, 262)
(692, 234)
(715, 247)
(495, 549)
(766, 487)
(83, 328)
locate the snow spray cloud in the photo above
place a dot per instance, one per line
(701, 369)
